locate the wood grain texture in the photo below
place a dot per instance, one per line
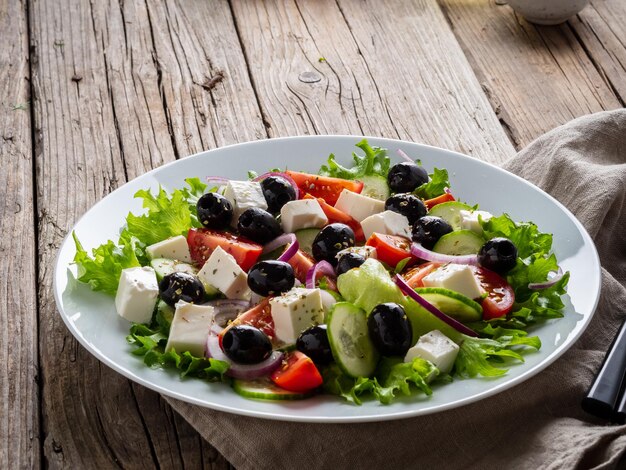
(327, 67)
(536, 77)
(19, 394)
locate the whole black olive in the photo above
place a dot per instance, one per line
(331, 240)
(498, 254)
(389, 329)
(258, 225)
(347, 261)
(314, 343)
(214, 210)
(406, 177)
(246, 344)
(181, 286)
(278, 192)
(428, 229)
(408, 205)
(271, 277)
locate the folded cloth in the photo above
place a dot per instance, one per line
(538, 424)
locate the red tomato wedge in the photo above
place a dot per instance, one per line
(335, 215)
(297, 373)
(324, 186)
(500, 295)
(259, 316)
(390, 249)
(445, 197)
(414, 276)
(202, 242)
(301, 263)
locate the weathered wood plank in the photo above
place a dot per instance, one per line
(536, 77)
(19, 393)
(326, 67)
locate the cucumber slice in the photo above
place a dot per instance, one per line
(376, 187)
(305, 238)
(164, 315)
(452, 303)
(265, 389)
(459, 242)
(349, 340)
(163, 266)
(450, 212)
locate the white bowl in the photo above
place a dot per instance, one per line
(547, 12)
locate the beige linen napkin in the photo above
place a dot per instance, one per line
(538, 424)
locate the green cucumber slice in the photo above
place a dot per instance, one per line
(450, 212)
(305, 238)
(349, 340)
(265, 389)
(164, 315)
(163, 266)
(452, 303)
(459, 242)
(375, 186)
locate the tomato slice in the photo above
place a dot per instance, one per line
(301, 263)
(390, 249)
(259, 316)
(414, 276)
(335, 215)
(202, 242)
(297, 373)
(445, 197)
(500, 295)
(324, 186)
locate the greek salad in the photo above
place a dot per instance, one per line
(367, 282)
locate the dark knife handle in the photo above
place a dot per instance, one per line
(603, 397)
(620, 411)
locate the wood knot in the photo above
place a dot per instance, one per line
(309, 77)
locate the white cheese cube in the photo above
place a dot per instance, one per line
(303, 213)
(137, 294)
(388, 223)
(222, 272)
(456, 277)
(173, 248)
(295, 311)
(359, 207)
(469, 220)
(244, 195)
(190, 328)
(365, 251)
(436, 348)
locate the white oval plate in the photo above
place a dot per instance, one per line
(92, 319)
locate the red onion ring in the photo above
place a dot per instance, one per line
(243, 371)
(224, 311)
(282, 175)
(549, 283)
(404, 156)
(420, 252)
(408, 290)
(447, 190)
(323, 267)
(217, 180)
(281, 240)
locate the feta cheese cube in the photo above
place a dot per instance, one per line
(359, 207)
(190, 328)
(173, 248)
(456, 277)
(469, 220)
(137, 294)
(244, 195)
(365, 251)
(303, 213)
(295, 311)
(222, 272)
(436, 348)
(388, 223)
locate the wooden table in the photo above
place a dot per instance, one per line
(95, 93)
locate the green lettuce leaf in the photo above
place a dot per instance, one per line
(374, 162)
(436, 185)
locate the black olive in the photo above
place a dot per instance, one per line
(389, 329)
(314, 343)
(429, 229)
(181, 286)
(347, 261)
(498, 254)
(214, 210)
(331, 240)
(406, 177)
(410, 206)
(258, 225)
(278, 192)
(271, 277)
(246, 344)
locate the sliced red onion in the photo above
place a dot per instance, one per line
(282, 175)
(217, 180)
(420, 252)
(243, 371)
(549, 283)
(224, 311)
(281, 240)
(408, 290)
(447, 190)
(404, 156)
(323, 267)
